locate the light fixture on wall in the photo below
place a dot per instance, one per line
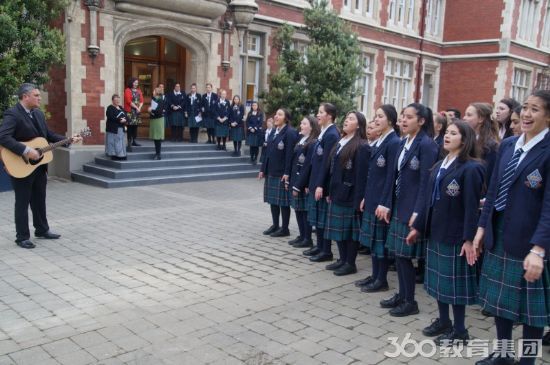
(243, 12)
(93, 7)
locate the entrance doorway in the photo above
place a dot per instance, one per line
(154, 60)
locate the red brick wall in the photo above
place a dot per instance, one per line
(379, 77)
(470, 20)
(228, 75)
(92, 85)
(464, 82)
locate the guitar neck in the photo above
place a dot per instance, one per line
(56, 145)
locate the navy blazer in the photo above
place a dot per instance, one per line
(344, 176)
(302, 183)
(222, 110)
(175, 100)
(18, 127)
(489, 157)
(453, 218)
(420, 158)
(320, 160)
(376, 173)
(194, 108)
(278, 153)
(236, 114)
(299, 163)
(209, 108)
(527, 212)
(255, 121)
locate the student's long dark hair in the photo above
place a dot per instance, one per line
(469, 149)
(331, 110)
(441, 118)
(131, 81)
(488, 132)
(315, 129)
(423, 112)
(512, 104)
(359, 138)
(391, 113)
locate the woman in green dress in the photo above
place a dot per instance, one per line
(156, 124)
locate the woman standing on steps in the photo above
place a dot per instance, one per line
(156, 125)
(276, 169)
(133, 102)
(117, 121)
(222, 120)
(254, 135)
(236, 117)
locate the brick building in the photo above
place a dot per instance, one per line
(441, 52)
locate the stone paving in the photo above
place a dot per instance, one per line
(181, 274)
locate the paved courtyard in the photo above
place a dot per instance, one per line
(181, 274)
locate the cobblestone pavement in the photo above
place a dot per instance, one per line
(181, 274)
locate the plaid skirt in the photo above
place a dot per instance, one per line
(236, 134)
(373, 234)
(222, 130)
(275, 192)
(176, 120)
(316, 211)
(299, 203)
(504, 292)
(342, 223)
(395, 241)
(209, 123)
(255, 139)
(449, 278)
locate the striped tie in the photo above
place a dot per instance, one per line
(401, 166)
(500, 202)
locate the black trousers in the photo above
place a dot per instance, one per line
(194, 134)
(131, 131)
(30, 190)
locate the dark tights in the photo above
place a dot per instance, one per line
(237, 146)
(504, 332)
(254, 153)
(347, 251)
(406, 275)
(380, 268)
(303, 226)
(220, 140)
(459, 315)
(285, 213)
(158, 144)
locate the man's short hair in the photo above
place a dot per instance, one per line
(25, 89)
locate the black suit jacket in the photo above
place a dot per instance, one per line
(18, 127)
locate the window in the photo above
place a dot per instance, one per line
(360, 7)
(397, 82)
(364, 85)
(254, 42)
(433, 17)
(546, 28)
(253, 67)
(528, 17)
(301, 48)
(520, 84)
(401, 13)
(428, 90)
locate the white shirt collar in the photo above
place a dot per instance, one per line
(383, 137)
(323, 130)
(409, 142)
(343, 141)
(303, 140)
(447, 162)
(373, 143)
(520, 143)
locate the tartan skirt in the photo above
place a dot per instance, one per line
(209, 123)
(373, 234)
(316, 211)
(449, 278)
(275, 192)
(342, 223)
(222, 130)
(236, 134)
(176, 120)
(255, 139)
(395, 241)
(299, 203)
(504, 292)
(192, 122)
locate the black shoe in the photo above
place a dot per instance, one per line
(437, 327)
(495, 359)
(25, 244)
(48, 235)
(234, 154)
(281, 232)
(294, 241)
(156, 157)
(303, 244)
(128, 148)
(321, 257)
(365, 281)
(405, 309)
(135, 144)
(375, 287)
(452, 337)
(364, 250)
(335, 265)
(270, 230)
(391, 302)
(345, 269)
(546, 339)
(312, 251)
(224, 148)
(219, 147)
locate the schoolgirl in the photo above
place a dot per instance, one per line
(503, 116)
(175, 112)
(267, 131)
(301, 166)
(236, 131)
(347, 158)
(318, 182)
(417, 154)
(276, 170)
(222, 120)
(156, 124)
(254, 131)
(209, 102)
(514, 232)
(378, 184)
(448, 220)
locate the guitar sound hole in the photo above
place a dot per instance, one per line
(36, 162)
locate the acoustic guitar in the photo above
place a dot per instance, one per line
(20, 166)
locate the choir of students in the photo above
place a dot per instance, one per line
(478, 189)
